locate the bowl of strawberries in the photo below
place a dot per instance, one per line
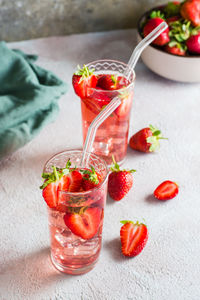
(175, 53)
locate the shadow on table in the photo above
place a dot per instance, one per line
(30, 273)
(114, 248)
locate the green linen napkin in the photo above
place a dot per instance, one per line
(28, 98)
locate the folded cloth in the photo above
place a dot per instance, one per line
(28, 98)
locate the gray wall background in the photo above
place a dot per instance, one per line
(28, 19)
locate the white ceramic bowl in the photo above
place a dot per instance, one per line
(174, 67)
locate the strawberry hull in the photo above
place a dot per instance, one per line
(112, 135)
(76, 223)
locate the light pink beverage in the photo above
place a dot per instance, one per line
(111, 138)
(77, 253)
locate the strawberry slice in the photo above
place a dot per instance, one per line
(166, 190)
(107, 81)
(111, 82)
(50, 192)
(83, 80)
(100, 98)
(125, 107)
(75, 181)
(133, 237)
(84, 224)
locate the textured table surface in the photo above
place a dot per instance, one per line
(169, 266)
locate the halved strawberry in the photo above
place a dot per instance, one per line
(83, 80)
(50, 192)
(124, 108)
(84, 224)
(100, 98)
(107, 81)
(166, 190)
(122, 82)
(75, 181)
(133, 237)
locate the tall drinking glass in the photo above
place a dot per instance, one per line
(112, 135)
(71, 253)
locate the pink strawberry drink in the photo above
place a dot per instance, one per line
(75, 209)
(112, 135)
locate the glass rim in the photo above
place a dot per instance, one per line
(89, 153)
(131, 84)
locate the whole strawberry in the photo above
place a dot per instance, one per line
(193, 44)
(133, 237)
(119, 182)
(190, 10)
(175, 49)
(146, 140)
(151, 24)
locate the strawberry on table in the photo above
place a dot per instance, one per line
(151, 24)
(83, 80)
(119, 182)
(133, 237)
(190, 10)
(166, 190)
(85, 223)
(146, 140)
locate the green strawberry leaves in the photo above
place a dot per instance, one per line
(115, 167)
(84, 72)
(171, 9)
(92, 175)
(157, 14)
(154, 139)
(56, 175)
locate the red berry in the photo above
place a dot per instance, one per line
(119, 182)
(50, 192)
(83, 81)
(107, 82)
(146, 140)
(193, 44)
(163, 38)
(124, 108)
(133, 237)
(75, 181)
(166, 190)
(175, 50)
(91, 179)
(190, 10)
(84, 224)
(172, 19)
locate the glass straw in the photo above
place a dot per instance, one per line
(117, 101)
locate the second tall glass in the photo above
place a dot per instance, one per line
(112, 135)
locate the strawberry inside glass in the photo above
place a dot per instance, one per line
(75, 197)
(97, 84)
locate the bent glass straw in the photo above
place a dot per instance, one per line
(106, 112)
